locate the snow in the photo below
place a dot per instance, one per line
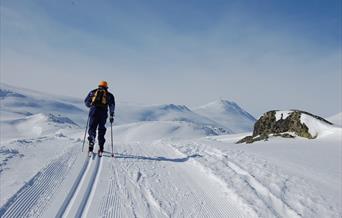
(282, 115)
(170, 161)
(20, 103)
(157, 130)
(228, 114)
(34, 126)
(316, 127)
(336, 119)
(304, 175)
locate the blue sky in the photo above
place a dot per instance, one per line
(262, 54)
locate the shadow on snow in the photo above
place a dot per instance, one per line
(138, 157)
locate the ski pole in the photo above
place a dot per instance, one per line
(85, 133)
(111, 136)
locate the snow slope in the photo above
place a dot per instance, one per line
(162, 130)
(34, 126)
(18, 103)
(205, 177)
(280, 177)
(228, 114)
(169, 162)
(317, 127)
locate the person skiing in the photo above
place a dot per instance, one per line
(99, 100)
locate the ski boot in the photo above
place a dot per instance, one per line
(91, 147)
(100, 153)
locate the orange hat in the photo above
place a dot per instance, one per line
(103, 84)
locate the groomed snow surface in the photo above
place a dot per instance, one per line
(163, 167)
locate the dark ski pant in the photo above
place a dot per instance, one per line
(97, 120)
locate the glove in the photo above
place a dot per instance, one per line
(111, 119)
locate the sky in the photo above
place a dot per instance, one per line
(261, 54)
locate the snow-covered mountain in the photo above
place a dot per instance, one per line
(33, 126)
(179, 114)
(33, 110)
(221, 117)
(19, 103)
(228, 114)
(167, 112)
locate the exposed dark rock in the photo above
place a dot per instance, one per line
(267, 126)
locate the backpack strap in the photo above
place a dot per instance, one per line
(93, 99)
(104, 99)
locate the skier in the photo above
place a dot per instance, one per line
(99, 100)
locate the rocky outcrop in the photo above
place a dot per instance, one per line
(288, 125)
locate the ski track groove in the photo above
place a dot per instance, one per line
(87, 197)
(67, 201)
(44, 184)
(79, 186)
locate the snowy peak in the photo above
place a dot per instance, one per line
(168, 112)
(229, 114)
(227, 107)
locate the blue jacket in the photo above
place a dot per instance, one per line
(111, 102)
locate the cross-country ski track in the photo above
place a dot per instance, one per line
(142, 180)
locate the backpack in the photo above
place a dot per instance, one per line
(100, 98)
